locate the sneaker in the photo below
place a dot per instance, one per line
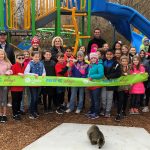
(59, 111)
(22, 112)
(145, 109)
(124, 114)
(63, 108)
(17, 117)
(88, 113)
(136, 111)
(118, 118)
(0, 118)
(32, 116)
(94, 116)
(102, 113)
(131, 111)
(68, 111)
(78, 111)
(4, 119)
(107, 115)
(9, 105)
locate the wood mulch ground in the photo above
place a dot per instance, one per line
(15, 135)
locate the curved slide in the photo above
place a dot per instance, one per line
(121, 17)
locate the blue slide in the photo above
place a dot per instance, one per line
(121, 17)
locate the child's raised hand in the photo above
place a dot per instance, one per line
(9, 72)
(90, 79)
(21, 74)
(36, 76)
(43, 75)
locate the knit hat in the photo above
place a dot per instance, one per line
(80, 53)
(93, 54)
(94, 45)
(35, 40)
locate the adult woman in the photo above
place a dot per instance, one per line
(57, 46)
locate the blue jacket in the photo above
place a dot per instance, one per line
(96, 71)
(79, 70)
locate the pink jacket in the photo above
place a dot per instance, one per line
(137, 88)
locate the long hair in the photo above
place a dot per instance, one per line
(5, 57)
(132, 65)
(57, 37)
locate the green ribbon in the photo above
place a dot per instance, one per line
(69, 82)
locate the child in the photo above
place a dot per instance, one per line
(132, 52)
(112, 70)
(117, 45)
(35, 42)
(94, 46)
(83, 49)
(146, 64)
(138, 88)
(70, 59)
(5, 66)
(123, 90)
(96, 71)
(36, 68)
(79, 70)
(27, 56)
(26, 90)
(125, 50)
(17, 91)
(118, 54)
(61, 69)
(48, 91)
(145, 44)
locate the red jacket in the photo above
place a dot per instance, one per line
(17, 68)
(61, 69)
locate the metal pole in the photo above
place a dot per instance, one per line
(82, 28)
(33, 17)
(58, 19)
(89, 18)
(1, 14)
(114, 36)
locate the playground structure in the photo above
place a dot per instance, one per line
(19, 16)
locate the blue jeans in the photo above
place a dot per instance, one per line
(95, 101)
(74, 91)
(34, 99)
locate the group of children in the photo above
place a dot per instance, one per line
(100, 63)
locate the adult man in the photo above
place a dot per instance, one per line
(96, 40)
(6, 47)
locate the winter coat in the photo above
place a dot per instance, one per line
(96, 71)
(79, 70)
(55, 51)
(137, 88)
(112, 70)
(61, 69)
(49, 67)
(143, 47)
(18, 68)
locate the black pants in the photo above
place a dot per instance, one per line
(147, 92)
(16, 102)
(122, 101)
(135, 100)
(48, 95)
(60, 96)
